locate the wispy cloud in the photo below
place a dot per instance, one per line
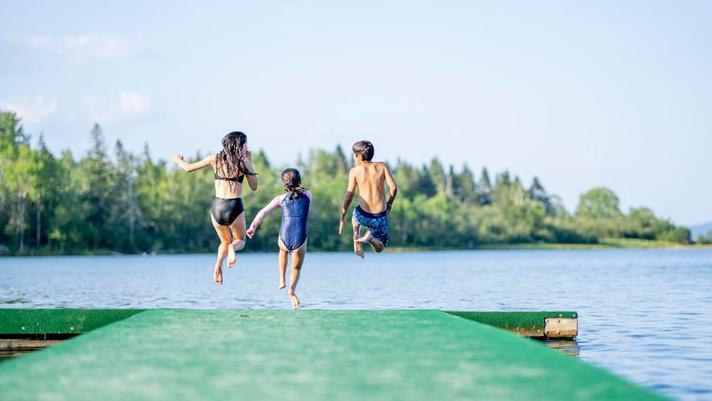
(125, 106)
(89, 45)
(30, 109)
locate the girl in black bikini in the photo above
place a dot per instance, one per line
(230, 166)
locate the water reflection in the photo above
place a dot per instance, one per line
(569, 347)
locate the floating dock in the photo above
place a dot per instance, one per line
(298, 355)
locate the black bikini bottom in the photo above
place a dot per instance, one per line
(225, 211)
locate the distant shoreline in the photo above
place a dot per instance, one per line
(613, 243)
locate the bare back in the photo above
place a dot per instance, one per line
(224, 188)
(228, 188)
(370, 178)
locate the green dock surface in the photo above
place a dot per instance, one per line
(303, 355)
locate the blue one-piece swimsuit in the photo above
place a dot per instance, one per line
(295, 212)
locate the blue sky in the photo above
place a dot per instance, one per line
(581, 94)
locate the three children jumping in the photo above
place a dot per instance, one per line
(234, 163)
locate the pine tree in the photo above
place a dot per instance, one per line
(467, 190)
(99, 179)
(407, 178)
(450, 182)
(538, 194)
(125, 212)
(484, 188)
(425, 184)
(437, 175)
(342, 163)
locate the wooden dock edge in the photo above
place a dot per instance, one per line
(50, 323)
(57, 323)
(546, 324)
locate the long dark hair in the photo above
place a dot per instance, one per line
(230, 160)
(292, 181)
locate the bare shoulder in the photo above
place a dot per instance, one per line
(355, 170)
(381, 166)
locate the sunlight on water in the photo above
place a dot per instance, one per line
(644, 314)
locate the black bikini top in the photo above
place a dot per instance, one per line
(238, 178)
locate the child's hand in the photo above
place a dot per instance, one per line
(250, 232)
(341, 225)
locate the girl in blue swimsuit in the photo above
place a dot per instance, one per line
(294, 204)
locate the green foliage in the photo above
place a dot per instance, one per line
(113, 200)
(706, 238)
(598, 203)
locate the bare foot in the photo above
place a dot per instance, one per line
(218, 276)
(358, 249)
(282, 284)
(376, 244)
(293, 297)
(366, 237)
(231, 257)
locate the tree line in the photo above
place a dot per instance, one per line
(112, 200)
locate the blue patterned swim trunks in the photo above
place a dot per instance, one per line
(377, 223)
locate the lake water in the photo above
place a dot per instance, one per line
(644, 314)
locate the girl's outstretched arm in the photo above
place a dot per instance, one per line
(188, 167)
(271, 207)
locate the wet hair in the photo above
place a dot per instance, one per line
(292, 181)
(365, 149)
(230, 160)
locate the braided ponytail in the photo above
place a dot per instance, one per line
(292, 181)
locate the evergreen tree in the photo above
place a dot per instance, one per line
(97, 192)
(484, 188)
(502, 186)
(425, 185)
(450, 182)
(538, 194)
(437, 176)
(407, 178)
(342, 162)
(46, 188)
(467, 190)
(125, 214)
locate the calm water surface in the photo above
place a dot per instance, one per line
(645, 314)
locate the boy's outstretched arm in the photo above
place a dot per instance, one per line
(393, 188)
(348, 197)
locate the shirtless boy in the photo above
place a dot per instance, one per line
(372, 210)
